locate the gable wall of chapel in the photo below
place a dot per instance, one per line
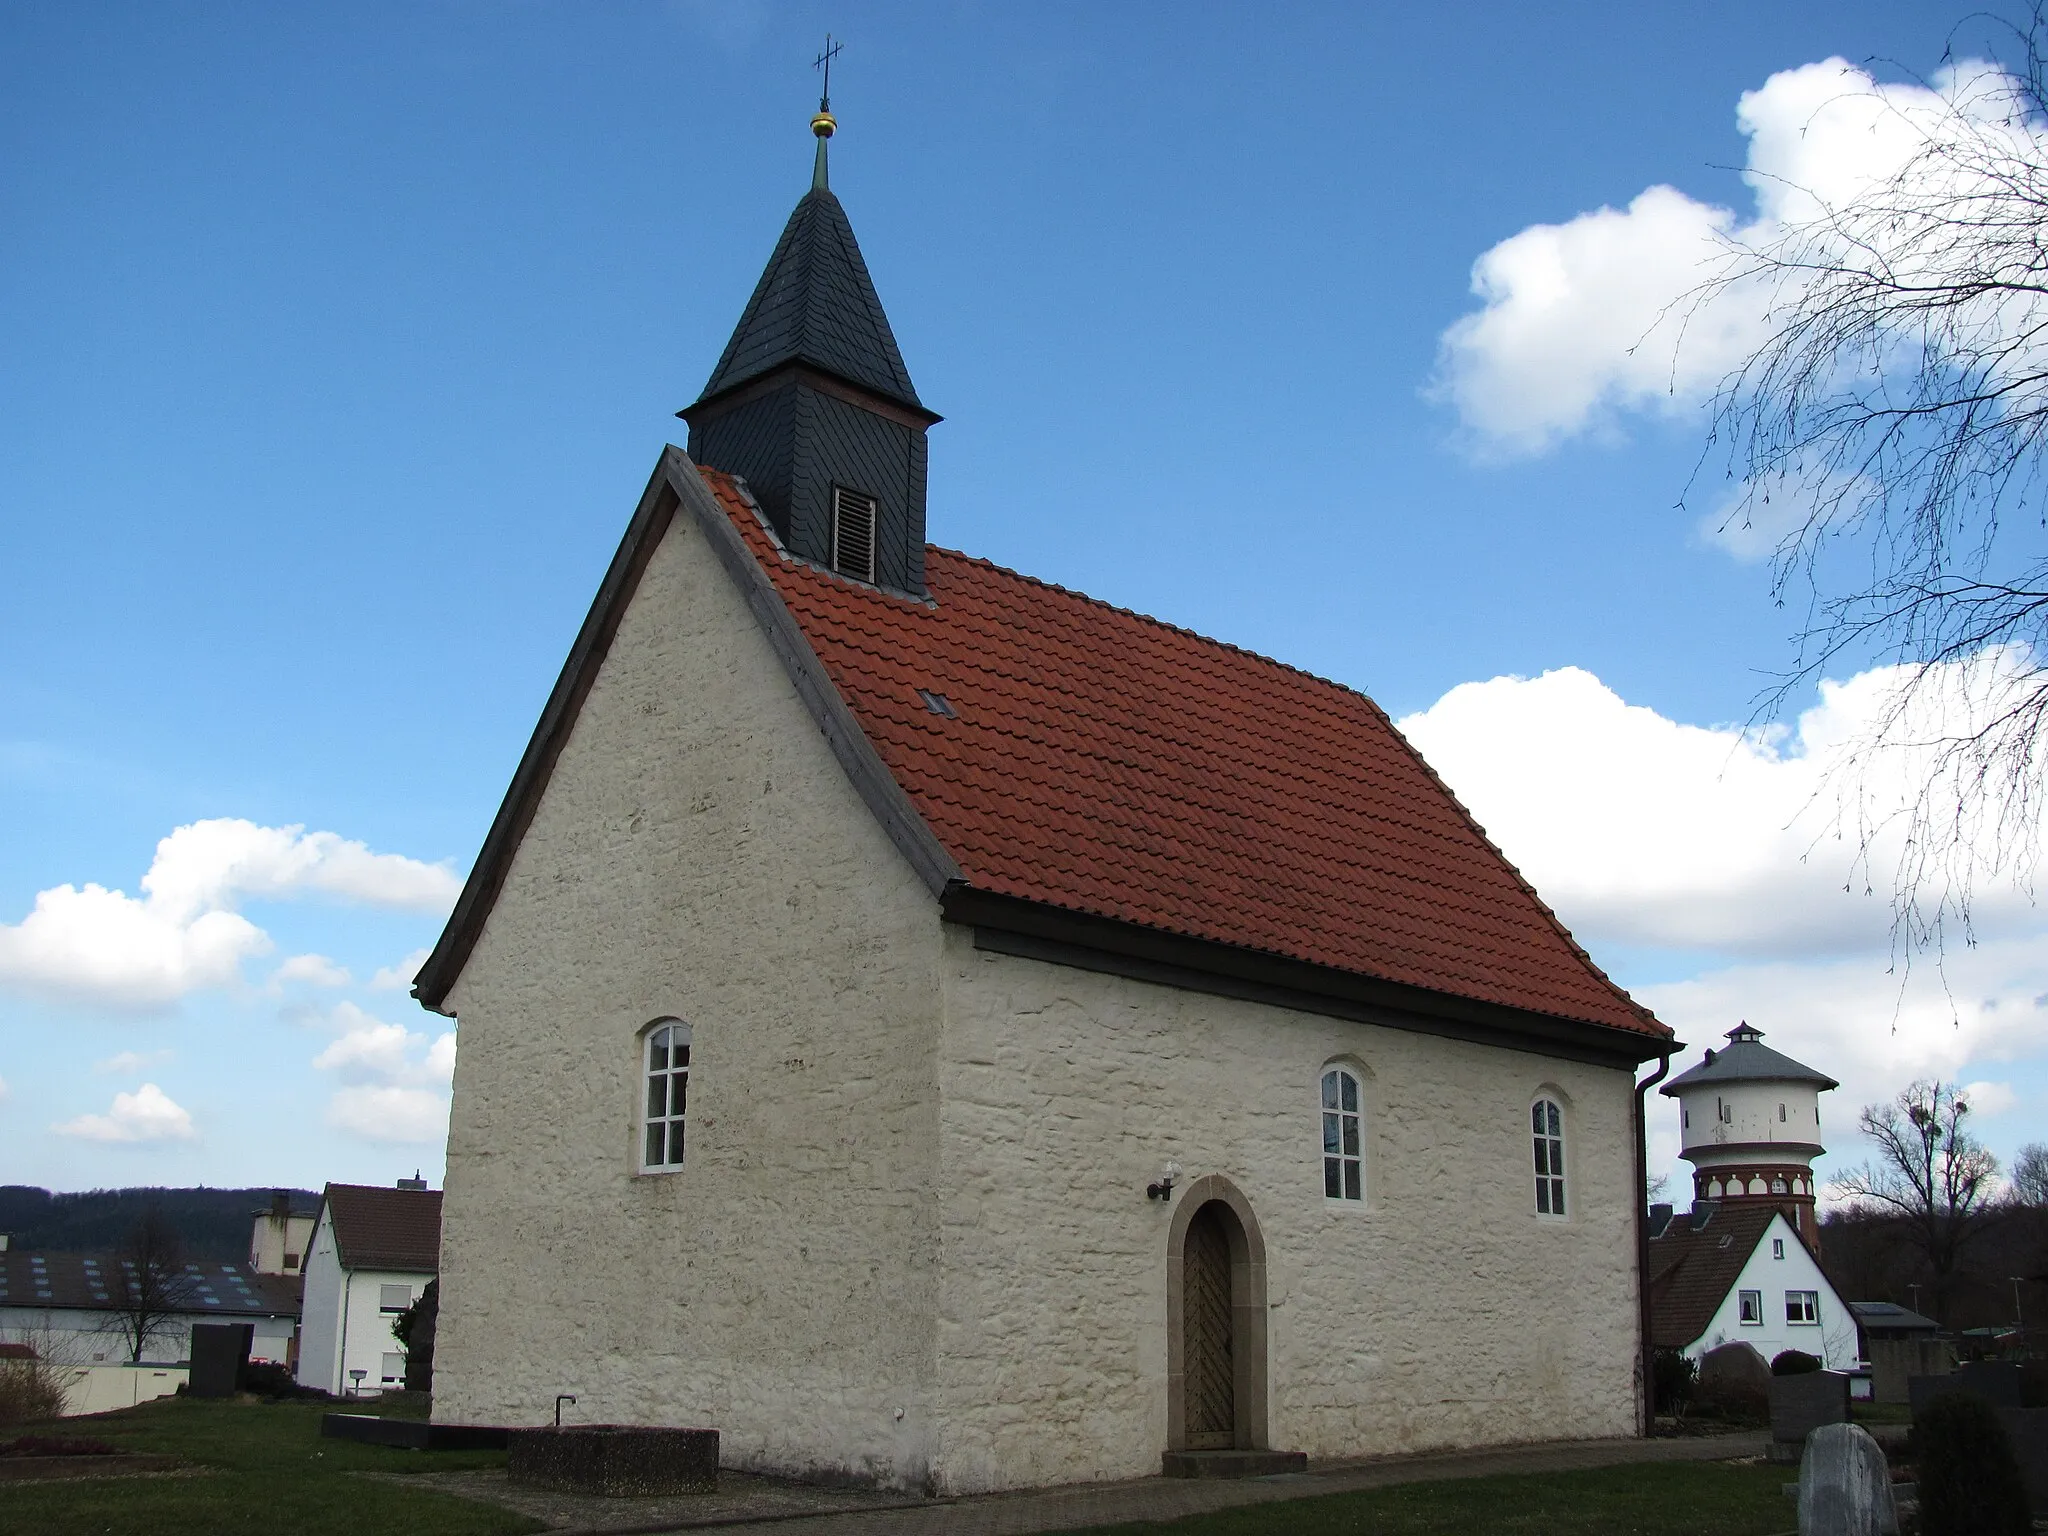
(699, 853)
(1440, 1311)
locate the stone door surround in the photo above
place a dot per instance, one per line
(1247, 1312)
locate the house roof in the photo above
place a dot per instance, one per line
(816, 304)
(1890, 1315)
(1033, 749)
(378, 1228)
(91, 1282)
(1745, 1059)
(1693, 1266)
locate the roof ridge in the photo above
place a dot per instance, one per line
(1153, 619)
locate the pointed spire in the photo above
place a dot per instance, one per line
(815, 302)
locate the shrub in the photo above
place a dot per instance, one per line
(1969, 1479)
(1674, 1379)
(1793, 1362)
(30, 1390)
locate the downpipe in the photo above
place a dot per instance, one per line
(1645, 1356)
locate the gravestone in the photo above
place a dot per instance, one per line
(1845, 1487)
(1801, 1404)
(219, 1351)
(1734, 1378)
(614, 1459)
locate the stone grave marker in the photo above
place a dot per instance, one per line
(1845, 1487)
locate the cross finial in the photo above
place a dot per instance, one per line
(824, 62)
(823, 124)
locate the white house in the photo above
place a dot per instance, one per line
(72, 1309)
(372, 1253)
(941, 1029)
(1726, 1274)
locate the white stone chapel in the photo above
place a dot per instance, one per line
(940, 1029)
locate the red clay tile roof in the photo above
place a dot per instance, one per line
(378, 1228)
(1107, 763)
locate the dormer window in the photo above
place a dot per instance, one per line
(853, 534)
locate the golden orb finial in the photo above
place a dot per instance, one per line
(823, 124)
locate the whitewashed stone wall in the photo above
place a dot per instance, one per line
(699, 853)
(1443, 1313)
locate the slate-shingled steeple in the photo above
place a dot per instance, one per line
(810, 403)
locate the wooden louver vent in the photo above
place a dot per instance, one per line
(853, 534)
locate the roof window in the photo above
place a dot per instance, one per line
(938, 703)
(853, 534)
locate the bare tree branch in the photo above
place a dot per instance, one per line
(1930, 1175)
(1894, 426)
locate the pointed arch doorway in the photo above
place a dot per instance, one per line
(1215, 1321)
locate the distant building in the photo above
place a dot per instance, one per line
(372, 1252)
(1726, 1274)
(70, 1307)
(278, 1239)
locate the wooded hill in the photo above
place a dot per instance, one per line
(210, 1223)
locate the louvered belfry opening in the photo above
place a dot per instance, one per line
(853, 534)
(811, 396)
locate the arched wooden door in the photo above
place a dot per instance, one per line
(1207, 1313)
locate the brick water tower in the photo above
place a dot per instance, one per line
(1749, 1121)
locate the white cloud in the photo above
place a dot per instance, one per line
(1582, 321)
(183, 933)
(1643, 830)
(398, 977)
(129, 1063)
(146, 1116)
(5, 1092)
(395, 1079)
(1989, 1099)
(313, 970)
(390, 1114)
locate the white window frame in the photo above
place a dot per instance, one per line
(1749, 1308)
(1807, 1302)
(1343, 1127)
(662, 1138)
(1548, 1154)
(1777, 1247)
(387, 1294)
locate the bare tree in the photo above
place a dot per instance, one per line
(1894, 425)
(2030, 1175)
(1930, 1176)
(153, 1287)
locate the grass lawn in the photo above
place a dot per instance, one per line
(1651, 1499)
(274, 1474)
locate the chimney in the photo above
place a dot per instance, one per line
(1660, 1218)
(415, 1182)
(280, 1205)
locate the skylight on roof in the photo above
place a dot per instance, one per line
(938, 704)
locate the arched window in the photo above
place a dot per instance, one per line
(1546, 1124)
(666, 1072)
(1343, 1138)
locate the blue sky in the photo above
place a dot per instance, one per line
(336, 344)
